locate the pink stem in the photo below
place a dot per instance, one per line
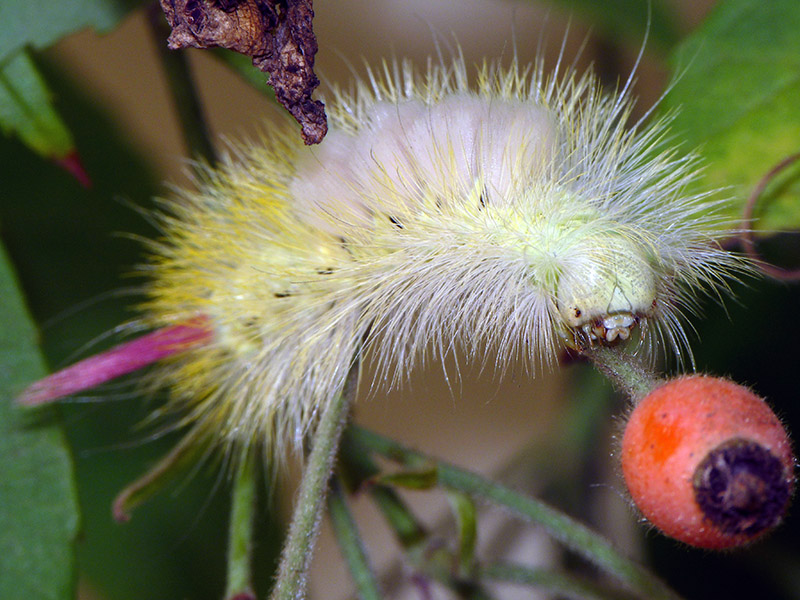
(118, 361)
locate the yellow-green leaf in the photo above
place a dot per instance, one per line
(738, 91)
(26, 109)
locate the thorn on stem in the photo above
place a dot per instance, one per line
(71, 162)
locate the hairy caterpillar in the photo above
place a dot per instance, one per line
(520, 213)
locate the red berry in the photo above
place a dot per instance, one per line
(708, 462)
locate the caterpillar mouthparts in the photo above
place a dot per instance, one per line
(521, 213)
(611, 328)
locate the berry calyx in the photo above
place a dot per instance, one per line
(707, 462)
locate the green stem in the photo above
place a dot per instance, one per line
(625, 371)
(184, 93)
(344, 526)
(359, 469)
(296, 558)
(240, 540)
(429, 559)
(573, 534)
(561, 584)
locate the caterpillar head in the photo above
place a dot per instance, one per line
(608, 291)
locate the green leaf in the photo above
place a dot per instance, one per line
(738, 90)
(41, 23)
(38, 503)
(26, 109)
(423, 479)
(467, 521)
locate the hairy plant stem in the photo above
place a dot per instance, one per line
(240, 531)
(297, 551)
(626, 372)
(564, 585)
(574, 535)
(431, 561)
(417, 543)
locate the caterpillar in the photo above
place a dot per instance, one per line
(520, 212)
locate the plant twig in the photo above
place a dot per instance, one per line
(184, 93)
(746, 236)
(352, 548)
(562, 584)
(297, 551)
(571, 533)
(240, 538)
(625, 371)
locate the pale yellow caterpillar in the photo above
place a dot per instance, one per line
(521, 213)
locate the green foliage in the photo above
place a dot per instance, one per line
(41, 23)
(26, 104)
(38, 502)
(62, 239)
(738, 95)
(26, 108)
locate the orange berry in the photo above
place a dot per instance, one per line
(707, 462)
